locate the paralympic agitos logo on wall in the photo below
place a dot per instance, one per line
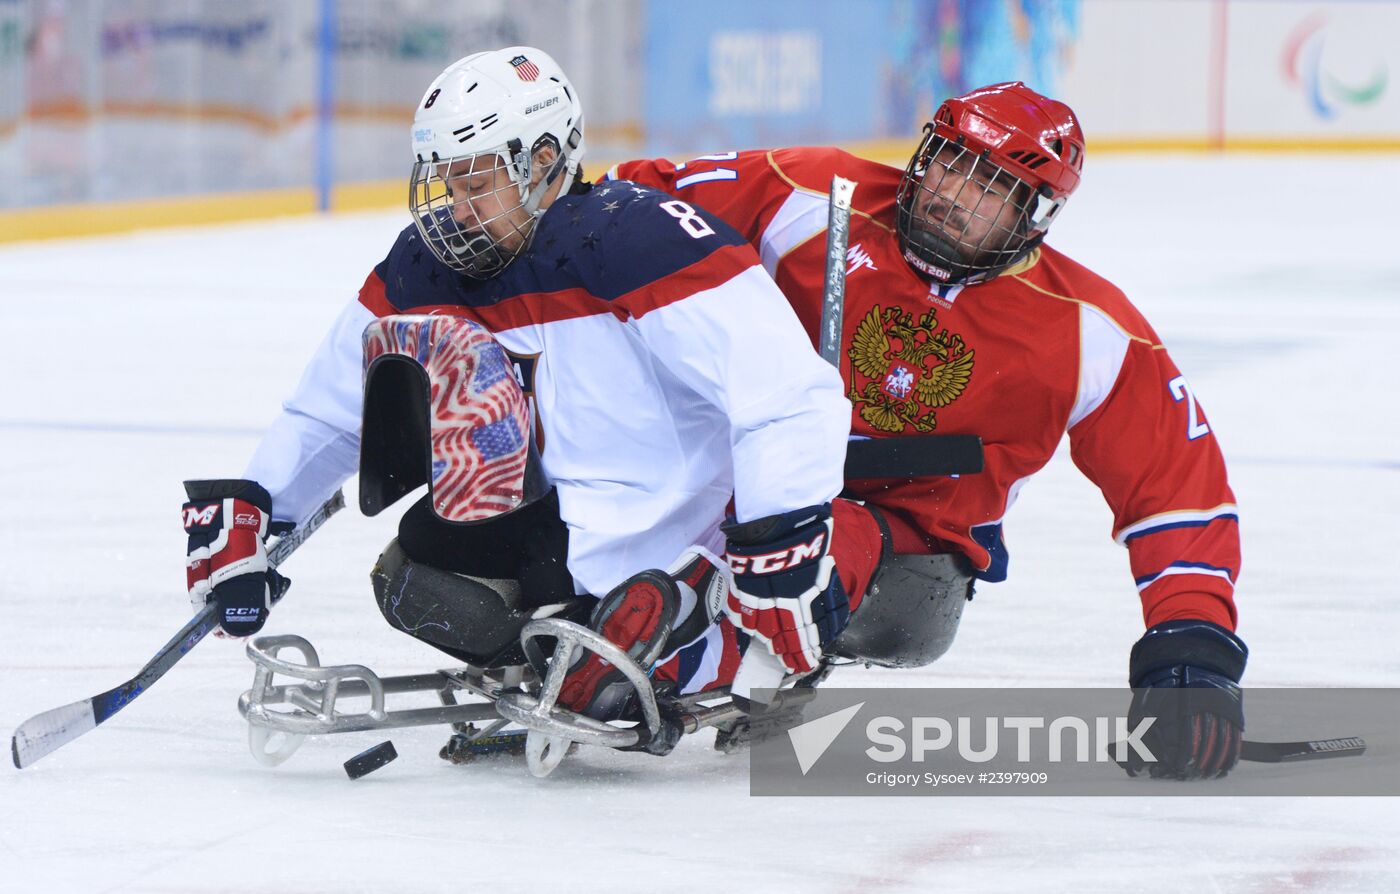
(1312, 57)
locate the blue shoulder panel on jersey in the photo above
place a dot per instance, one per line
(646, 235)
(609, 241)
(414, 277)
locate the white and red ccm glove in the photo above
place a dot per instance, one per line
(228, 522)
(785, 591)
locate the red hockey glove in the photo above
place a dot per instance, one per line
(786, 593)
(227, 521)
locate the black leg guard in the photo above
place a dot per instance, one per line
(530, 545)
(476, 620)
(910, 615)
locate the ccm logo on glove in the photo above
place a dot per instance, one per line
(784, 592)
(782, 560)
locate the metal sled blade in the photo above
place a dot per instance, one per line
(312, 703)
(309, 700)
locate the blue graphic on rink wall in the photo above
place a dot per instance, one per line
(734, 73)
(945, 48)
(738, 74)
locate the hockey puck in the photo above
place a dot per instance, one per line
(369, 760)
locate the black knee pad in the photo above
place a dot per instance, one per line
(910, 615)
(529, 545)
(476, 620)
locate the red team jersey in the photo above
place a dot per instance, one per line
(1045, 348)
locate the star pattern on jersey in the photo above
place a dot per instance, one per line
(590, 241)
(612, 206)
(910, 368)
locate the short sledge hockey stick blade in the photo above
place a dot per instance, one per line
(45, 733)
(1312, 750)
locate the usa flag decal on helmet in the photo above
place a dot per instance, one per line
(525, 69)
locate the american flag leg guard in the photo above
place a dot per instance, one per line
(480, 421)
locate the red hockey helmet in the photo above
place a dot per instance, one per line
(993, 170)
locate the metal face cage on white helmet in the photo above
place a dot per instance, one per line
(962, 217)
(493, 134)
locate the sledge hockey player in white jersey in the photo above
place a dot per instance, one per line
(658, 375)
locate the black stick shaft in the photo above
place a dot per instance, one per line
(1311, 750)
(51, 730)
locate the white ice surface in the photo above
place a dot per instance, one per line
(133, 362)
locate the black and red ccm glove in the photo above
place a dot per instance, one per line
(228, 521)
(786, 592)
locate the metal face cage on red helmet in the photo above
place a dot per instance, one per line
(993, 170)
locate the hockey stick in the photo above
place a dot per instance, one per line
(838, 231)
(51, 730)
(1315, 749)
(915, 457)
(1287, 752)
(760, 669)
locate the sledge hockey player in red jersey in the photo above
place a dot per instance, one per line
(663, 371)
(958, 319)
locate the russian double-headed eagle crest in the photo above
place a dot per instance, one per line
(910, 368)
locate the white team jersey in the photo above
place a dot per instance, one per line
(656, 404)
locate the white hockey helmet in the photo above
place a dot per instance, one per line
(487, 112)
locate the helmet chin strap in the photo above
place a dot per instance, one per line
(478, 246)
(936, 245)
(478, 254)
(957, 273)
(533, 197)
